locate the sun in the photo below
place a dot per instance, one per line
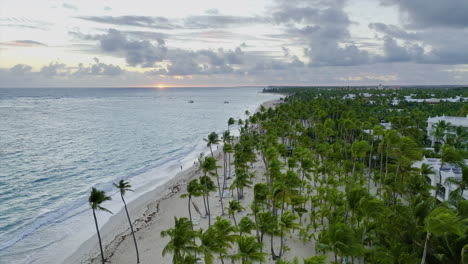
(161, 86)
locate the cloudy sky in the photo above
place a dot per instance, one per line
(107, 43)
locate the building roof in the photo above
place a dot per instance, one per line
(453, 120)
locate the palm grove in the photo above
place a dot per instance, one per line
(335, 179)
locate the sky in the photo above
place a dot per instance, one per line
(113, 43)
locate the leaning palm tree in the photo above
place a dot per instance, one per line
(95, 200)
(124, 186)
(441, 221)
(234, 207)
(193, 190)
(213, 139)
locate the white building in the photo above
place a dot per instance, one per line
(447, 171)
(452, 121)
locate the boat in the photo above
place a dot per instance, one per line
(226, 102)
(191, 101)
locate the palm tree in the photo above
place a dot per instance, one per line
(231, 121)
(95, 200)
(246, 225)
(441, 222)
(124, 186)
(193, 190)
(449, 155)
(249, 250)
(182, 240)
(286, 223)
(462, 183)
(234, 207)
(241, 181)
(213, 139)
(209, 166)
(207, 186)
(217, 239)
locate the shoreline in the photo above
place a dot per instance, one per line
(143, 211)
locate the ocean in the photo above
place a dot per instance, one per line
(56, 144)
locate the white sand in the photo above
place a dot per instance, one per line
(155, 211)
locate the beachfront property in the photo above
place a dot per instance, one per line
(452, 122)
(440, 175)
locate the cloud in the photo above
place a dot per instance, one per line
(137, 52)
(425, 46)
(395, 53)
(136, 21)
(323, 27)
(98, 68)
(212, 11)
(424, 14)
(24, 23)
(211, 20)
(394, 31)
(69, 6)
(20, 69)
(54, 69)
(219, 21)
(24, 43)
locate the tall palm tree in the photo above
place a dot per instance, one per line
(124, 186)
(234, 207)
(182, 240)
(193, 190)
(441, 222)
(209, 166)
(207, 186)
(212, 139)
(95, 200)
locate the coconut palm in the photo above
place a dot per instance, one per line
(246, 225)
(193, 190)
(207, 186)
(217, 239)
(209, 166)
(234, 207)
(123, 187)
(462, 183)
(96, 198)
(449, 155)
(212, 139)
(231, 121)
(241, 181)
(249, 250)
(441, 221)
(181, 243)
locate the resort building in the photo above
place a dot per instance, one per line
(440, 176)
(452, 121)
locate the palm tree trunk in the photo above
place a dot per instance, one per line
(234, 218)
(220, 191)
(423, 259)
(209, 211)
(189, 210)
(131, 227)
(370, 163)
(99, 237)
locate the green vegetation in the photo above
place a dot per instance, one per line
(342, 182)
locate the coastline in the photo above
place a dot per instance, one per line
(151, 213)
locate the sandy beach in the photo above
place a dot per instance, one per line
(155, 211)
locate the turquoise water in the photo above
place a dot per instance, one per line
(55, 144)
